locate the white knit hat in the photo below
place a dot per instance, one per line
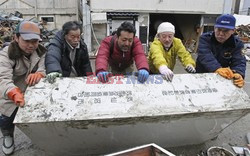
(165, 27)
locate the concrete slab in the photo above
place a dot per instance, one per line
(79, 116)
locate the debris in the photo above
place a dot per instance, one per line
(218, 151)
(246, 152)
(242, 151)
(8, 23)
(247, 58)
(144, 150)
(243, 32)
(238, 150)
(190, 45)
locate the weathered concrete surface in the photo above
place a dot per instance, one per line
(235, 134)
(105, 118)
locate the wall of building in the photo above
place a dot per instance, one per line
(245, 7)
(98, 34)
(61, 10)
(167, 6)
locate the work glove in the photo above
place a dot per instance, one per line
(166, 72)
(238, 80)
(103, 76)
(52, 76)
(190, 68)
(34, 78)
(143, 75)
(225, 72)
(16, 95)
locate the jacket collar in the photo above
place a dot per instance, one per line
(15, 52)
(157, 39)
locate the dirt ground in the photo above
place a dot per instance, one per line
(234, 135)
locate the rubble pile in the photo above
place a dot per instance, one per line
(190, 45)
(8, 23)
(244, 32)
(7, 26)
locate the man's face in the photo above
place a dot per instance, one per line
(28, 46)
(73, 37)
(166, 38)
(222, 34)
(125, 41)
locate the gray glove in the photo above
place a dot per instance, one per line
(190, 68)
(52, 76)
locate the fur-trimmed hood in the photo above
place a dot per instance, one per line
(15, 52)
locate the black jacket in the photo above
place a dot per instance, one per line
(57, 58)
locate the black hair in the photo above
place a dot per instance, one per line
(126, 26)
(18, 35)
(71, 25)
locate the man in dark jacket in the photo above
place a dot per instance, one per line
(221, 52)
(117, 52)
(67, 54)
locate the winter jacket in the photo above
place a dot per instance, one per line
(57, 58)
(158, 56)
(14, 69)
(120, 60)
(213, 55)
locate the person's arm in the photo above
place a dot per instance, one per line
(139, 55)
(34, 78)
(6, 74)
(205, 55)
(53, 57)
(238, 61)
(156, 54)
(183, 55)
(160, 63)
(103, 55)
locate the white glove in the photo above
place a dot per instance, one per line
(166, 72)
(190, 68)
(52, 76)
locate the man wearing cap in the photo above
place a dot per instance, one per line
(21, 65)
(164, 50)
(67, 54)
(220, 51)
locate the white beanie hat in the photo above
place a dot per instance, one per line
(165, 27)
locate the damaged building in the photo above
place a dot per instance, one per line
(100, 17)
(190, 17)
(54, 12)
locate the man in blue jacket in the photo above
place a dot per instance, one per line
(221, 51)
(67, 54)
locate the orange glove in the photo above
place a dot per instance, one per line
(238, 80)
(225, 72)
(34, 78)
(16, 95)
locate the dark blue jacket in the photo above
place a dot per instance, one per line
(213, 55)
(57, 58)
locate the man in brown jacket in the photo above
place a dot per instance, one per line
(21, 65)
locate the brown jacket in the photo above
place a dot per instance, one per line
(14, 69)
